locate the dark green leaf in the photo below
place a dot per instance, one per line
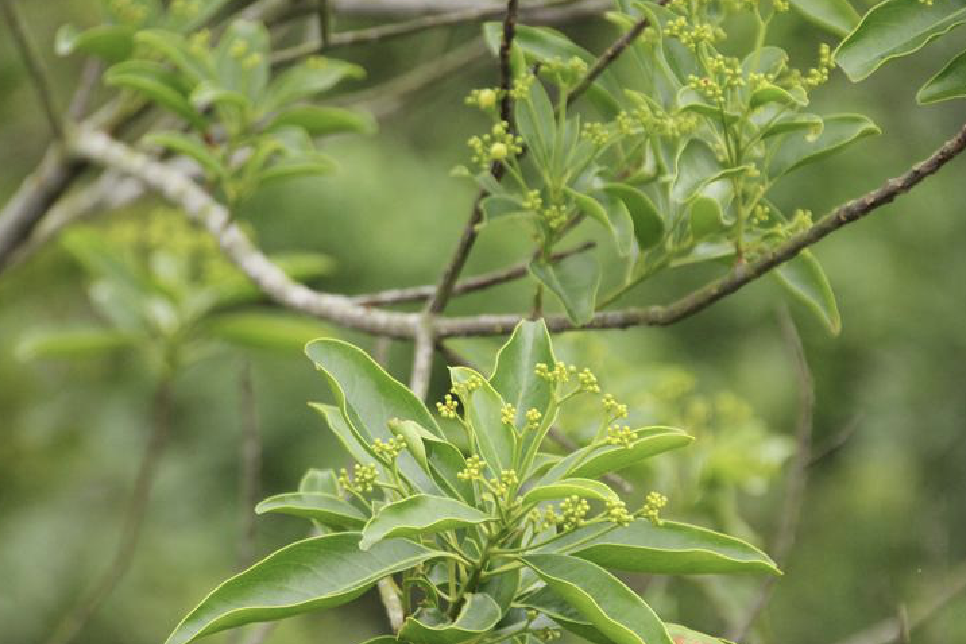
(191, 147)
(483, 411)
(836, 16)
(893, 29)
(536, 123)
(600, 598)
(307, 575)
(648, 224)
(800, 148)
(949, 83)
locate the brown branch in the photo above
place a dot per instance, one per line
(738, 277)
(797, 477)
(469, 285)
(423, 351)
(73, 623)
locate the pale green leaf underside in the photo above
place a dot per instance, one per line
(478, 616)
(324, 508)
(805, 279)
(949, 83)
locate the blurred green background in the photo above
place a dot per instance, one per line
(884, 522)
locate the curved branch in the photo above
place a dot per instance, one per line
(740, 276)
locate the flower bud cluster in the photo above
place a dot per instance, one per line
(497, 146)
(573, 511)
(617, 513)
(559, 374)
(508, 414)
(390, 450)
(614, 408)
(473, 470)
(363, 478)
(129, 11)
(447, 408)
(653, 504)
(486, 99)
(620, 435)
(508, 481)
(533, 417)
(693, 35)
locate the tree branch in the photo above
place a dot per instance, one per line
(738, 277)
(469, 285)
(424, 345)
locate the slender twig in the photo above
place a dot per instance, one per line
(35, 67)
(469, 285)
(325, 25)
(89, 79)
(889, 630)
(78, 617)
(250, 458)
(836, 442)
(739, 276)
(797, 483)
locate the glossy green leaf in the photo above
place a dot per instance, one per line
(439, 458)
(574, 280)
(670, 548)
(547, 602)
(601, 598)
(514, 376)
(353, 442)
(189, 146)
(112, 43)
(804, 278)
(319, 120)
(612, 458)
(306, 80)
(706, 217)
(684, 635)
(836, 16)
(618, 224)
(949, 83)
(418, 515)
(324, 508)
(70, 343)
(315, 573)
(800, 148)
(369, 398)
(648, 224)
(893, 29)
(483, 411)
(479, 614)
(265, 329)
(584, 488)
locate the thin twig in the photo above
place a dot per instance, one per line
(797, 482)
(89, 80)
(469, 285)
(78, 617)
(250, 457)
(836, 442)
(35, 67)
(889, 630)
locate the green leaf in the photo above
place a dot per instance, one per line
(351, 439)
(305, 80)
(369, 398)
(618, 224)
(612, 458)
(893, 29)
(269, 329)
(195, 64)
(324, 508)
(601, 598)
(439, 458)
(804, 278)
(769, 93)
(836, 16)
(319, 481)
(418, 515)
(72, 343)
(648, 224)
(536, 123)
(484, 409)
(669, 548)
(548, 603)
(309, 165)
(514, 376)
(112, 43)
(322, 121)
(498, 206)
(158, 85)
(773, 120)
(697, 166)
(584, 488)
(800, 148)
(190, 146)
(477, 617)
(949, 83)
(707, 218)
(574, 280)
(382, 639)
(307, 575)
